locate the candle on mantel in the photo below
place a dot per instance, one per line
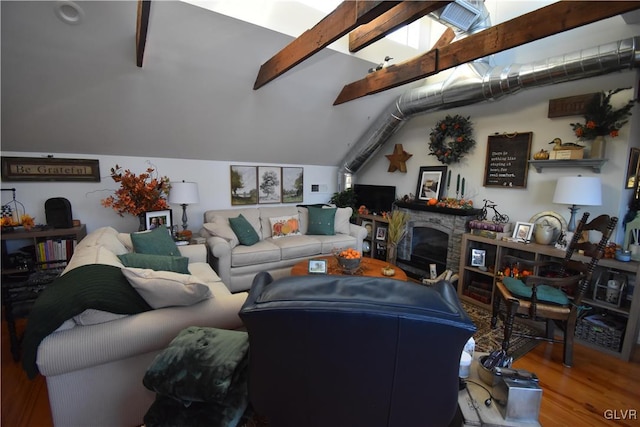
(462, 191)
(448, 180)
(458, 184)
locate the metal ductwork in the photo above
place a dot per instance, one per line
(475, 82)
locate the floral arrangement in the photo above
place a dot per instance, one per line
(451, 139)
(601, 118)
(138, 193)
(25, 220)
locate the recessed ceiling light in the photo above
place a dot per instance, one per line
(69, 12)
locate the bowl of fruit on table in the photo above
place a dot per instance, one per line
(349, 260)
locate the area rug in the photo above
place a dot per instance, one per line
(488, 339)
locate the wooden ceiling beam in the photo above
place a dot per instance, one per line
(347, 16)
(401, 15)
(142, 25)
(553, 19)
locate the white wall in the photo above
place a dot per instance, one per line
(212, 177)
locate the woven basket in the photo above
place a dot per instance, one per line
(604, 331)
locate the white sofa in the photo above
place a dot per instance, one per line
(94, 371)
(237, 264)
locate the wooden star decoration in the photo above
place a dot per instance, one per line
(397, 159)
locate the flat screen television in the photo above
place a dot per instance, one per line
(377, 198)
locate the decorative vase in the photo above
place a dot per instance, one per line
(143, 225)
(392, 253)
(544, 234)
(598, 146)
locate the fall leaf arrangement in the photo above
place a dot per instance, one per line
(601, 118)
(138, 193)
(25, 220)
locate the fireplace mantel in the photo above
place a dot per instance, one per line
(437, 209)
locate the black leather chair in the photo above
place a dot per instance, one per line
(333, 351)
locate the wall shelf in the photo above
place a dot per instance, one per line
(595, 164)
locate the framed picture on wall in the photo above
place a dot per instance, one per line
(244, 185)
(269, 184)
(292, 185)
(431, 182)
(632, 168)
(381, 233)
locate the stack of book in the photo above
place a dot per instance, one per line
(479, 291)
(54, 253)
(490, 229)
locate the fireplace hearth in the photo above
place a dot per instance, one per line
(434, 236)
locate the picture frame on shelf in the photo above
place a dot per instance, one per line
(318, 266)
(478, 257)
(156, 219)
(431, 182)
(381, 233)
(522, 231)
(369, 226)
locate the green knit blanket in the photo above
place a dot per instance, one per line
(97, 286)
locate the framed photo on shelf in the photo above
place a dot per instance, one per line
(381, 233)
(431, 182)
(523, 231)
(155, 219)
(369, 226)
(317, 266)
(478, 257)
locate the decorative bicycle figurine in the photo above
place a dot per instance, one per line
(498, 218)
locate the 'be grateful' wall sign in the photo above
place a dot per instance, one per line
(49, 169)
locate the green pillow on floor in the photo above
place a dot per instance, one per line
(544, 293)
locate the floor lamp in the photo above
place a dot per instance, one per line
(184, 193)
(578, 190)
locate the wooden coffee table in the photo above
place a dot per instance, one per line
(369, 267)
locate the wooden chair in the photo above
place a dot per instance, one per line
(553, 293)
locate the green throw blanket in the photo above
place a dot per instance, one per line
(97, 286)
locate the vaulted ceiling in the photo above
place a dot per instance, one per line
(213, 87)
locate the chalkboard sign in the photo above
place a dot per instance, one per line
(508, 160)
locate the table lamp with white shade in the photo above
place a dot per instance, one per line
(578, 190)
(184, 193)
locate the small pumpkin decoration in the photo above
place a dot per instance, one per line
(541, 155)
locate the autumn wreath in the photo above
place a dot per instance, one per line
(451, 139)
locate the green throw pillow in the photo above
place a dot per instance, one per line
(155, 242)
(177, 264)
(244, 231)
(321, 221)
(545, 293)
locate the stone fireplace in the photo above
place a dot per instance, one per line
(434, 236)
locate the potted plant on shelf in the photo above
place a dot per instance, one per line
(602, 120)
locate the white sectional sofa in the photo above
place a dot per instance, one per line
(237, 264)
(94, 363)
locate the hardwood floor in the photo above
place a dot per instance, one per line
(599, 390)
